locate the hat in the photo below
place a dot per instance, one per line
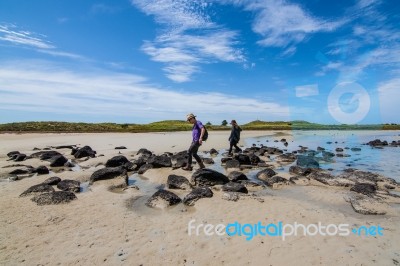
(189, 116)
(233, 122)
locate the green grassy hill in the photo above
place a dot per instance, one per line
(177, 125)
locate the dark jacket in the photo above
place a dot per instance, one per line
(235, 134)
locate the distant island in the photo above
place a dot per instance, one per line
(178, 125)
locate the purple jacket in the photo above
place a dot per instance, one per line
(196, 131)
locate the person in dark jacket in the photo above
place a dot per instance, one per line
(234, 137)
(197, 136)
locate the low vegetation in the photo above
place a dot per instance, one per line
(178, 125)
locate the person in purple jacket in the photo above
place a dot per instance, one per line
(197, 135)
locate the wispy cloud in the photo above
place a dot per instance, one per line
(190, 38)
(307, 90)
(104, 93)
(10, 33)
(373, 42)
(179, 15)
(281, 23)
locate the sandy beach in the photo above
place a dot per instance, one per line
(115, 227)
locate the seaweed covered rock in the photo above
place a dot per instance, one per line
(69, 185)
(178, 182)
(162, 199)
(196, 194)
(207, 177)
(52, 198)
(41, 188)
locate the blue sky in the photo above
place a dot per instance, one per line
(139, 61)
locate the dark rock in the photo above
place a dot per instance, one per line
(20, 157)
(273, 151)
(20, 172)
(179, 159)
(41, 188)
(58, 160)
(358, 176)
(214, 151)
(141, 161)
(12, 153)
(234, 187)
(144, 152)
(69, 185)
(232, 164)
(339, 150)
(320, 149)
(287, 158)
(144, 168)
(254, 159)
(275, 180)
(243, 159)
(235, 176)
(129, 166)
(74, 150)
(44, 155)
(120, 148)
(251, 185)
(225, 159)
(208, 161)
(55, 197)
(162, 199)
(52, 181)
(42, 170)
(297, 170)
(196, 194)
(109, 173)
(65, 147)
(178, 182)
(355, 149)
(330, 180)
(160, 161)
(307, 161)
(207, 177)
(327, 155)
(116, 161)
(377, 143)
(265, 174)
(364, 188)
(85, 151)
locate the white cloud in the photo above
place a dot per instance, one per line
(281, 24)
(34, 86)
(307, 90)
(190, 38)
(10, 34)
(177, 14)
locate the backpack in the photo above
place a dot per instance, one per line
(205, 135)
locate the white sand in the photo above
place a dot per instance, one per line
(103, 227)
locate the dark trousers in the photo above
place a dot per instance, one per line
(194, 147)
(233, 144)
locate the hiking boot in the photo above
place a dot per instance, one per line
(201, 165)
(187, 168)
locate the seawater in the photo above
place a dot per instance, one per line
(384, 161)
